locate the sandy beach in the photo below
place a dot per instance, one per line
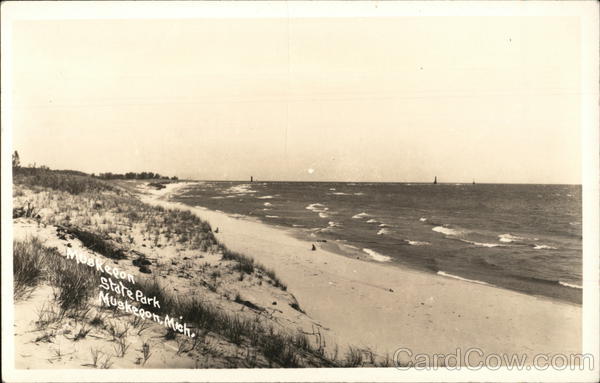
(385, 308)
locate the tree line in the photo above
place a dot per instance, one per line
(16, 164)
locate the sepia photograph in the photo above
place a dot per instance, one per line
(300, 191)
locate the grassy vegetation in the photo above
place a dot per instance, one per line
(34, 264)
(96, 243)
(60, 180)
(103, 217)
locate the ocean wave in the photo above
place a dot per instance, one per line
(340, 193)
(446, 230)
(360, 215)
(384, 225)
(295, 225)
(316, 207)
(417, 243)
(508, 238)
(239, 189)
(323, 215)
(333, 189)
(383, 231)
(268, 204)
(423, 219)
(265, 197)
(333, 224)
(217, 197)
(544, 247)
(359, 193)
(482, 244)
(376, 256)
(372, 221)
(570, 285)
(444, 274)
(272, 216)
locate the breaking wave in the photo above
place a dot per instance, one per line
(570, 285)
(444, 274)
(376, 256)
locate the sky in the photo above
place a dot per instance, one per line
(399, 99)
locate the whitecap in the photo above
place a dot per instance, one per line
(333, 224)
(383, 231)
(444, 274)
(360, 215)
(544, 247)
(417, 243)
(508, 238)
(239, 189)
(323, 215)
(265, 197)
(376, 256)
(372, 221)
(422, 219)
(316, 207)
(268, 204)
(359, 193)
(570, 285)
(482, 244)
(446, 230)
(272, 216)
(340, 193)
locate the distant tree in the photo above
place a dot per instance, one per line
(174, 178)
(16, 161)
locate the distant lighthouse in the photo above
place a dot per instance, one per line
(251, 179)
(435, 180)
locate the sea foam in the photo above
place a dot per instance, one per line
(544, 247)
(444, 274)
(508, 238)
(570, 285)
(417, 243)
(446, 230)
(376, 256)
(360, 215)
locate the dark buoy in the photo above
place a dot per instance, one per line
(314, 247)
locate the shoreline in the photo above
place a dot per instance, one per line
(353, 250)
(368, 304)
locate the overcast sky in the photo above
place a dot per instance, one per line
(495, 99)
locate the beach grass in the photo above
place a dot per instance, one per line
(105, 219)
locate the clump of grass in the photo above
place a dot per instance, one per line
(354, 357)
(243, 263)
(34, 263)
(96, 243)
(28, 264)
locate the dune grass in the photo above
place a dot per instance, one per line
(102, 217)
(34, 264)
(73, 183)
